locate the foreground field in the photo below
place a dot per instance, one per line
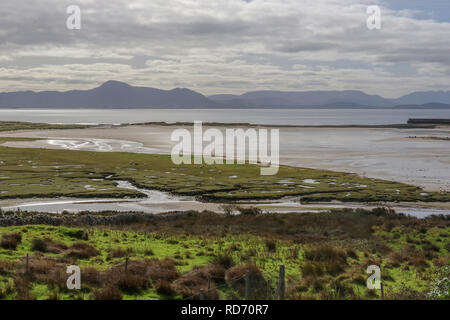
(27, 173)
(207, 255)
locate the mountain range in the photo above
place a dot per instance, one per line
(115, 94)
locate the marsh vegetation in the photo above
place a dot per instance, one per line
(325, 254)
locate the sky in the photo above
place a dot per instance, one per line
(227, 46)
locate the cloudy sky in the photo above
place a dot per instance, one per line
(227, 46)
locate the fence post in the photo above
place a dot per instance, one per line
(247, 286)
(126, 264)
(202, 295)
(281, 283)
(26, 264)
(382, 291)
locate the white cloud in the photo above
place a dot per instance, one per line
(221, 46)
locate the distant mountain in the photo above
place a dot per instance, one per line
(114, 94)
(111, 94)
(418, 98)
(331, 99)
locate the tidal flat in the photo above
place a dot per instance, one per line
(28, 173)
(382, 153)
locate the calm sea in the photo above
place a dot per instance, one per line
(254, 116)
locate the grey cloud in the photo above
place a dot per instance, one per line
(217, 43)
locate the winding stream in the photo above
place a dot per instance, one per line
(162, 202)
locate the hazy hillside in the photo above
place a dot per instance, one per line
(114, 94)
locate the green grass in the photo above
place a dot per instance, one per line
(244, 239)
(26, 173)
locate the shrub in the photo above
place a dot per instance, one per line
(271, 245)
(406, 293)
(149, 252)
(163, 287)
(161, 270)
(342, 289)
(224, 259)
(333, 260)
(22, 288)
(118, 253)
(91, 276)
(11, 241)
(431, 247)
(396, 259)
(82, 250)
(108, 293)
(351, 253)
(7, 267)
(235, 278)
(315, 283)
(252, 211)
(312, 269)
(325, 252)
(39, 245)
(78, 234)
(132, 283)
(192, 283)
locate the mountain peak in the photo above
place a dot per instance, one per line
(114, 84)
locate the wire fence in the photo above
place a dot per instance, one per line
(262, 290)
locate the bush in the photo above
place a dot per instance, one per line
(82, 250)
(252, 211)
(118, 253)
(22, 288)
(161, 270)
(192, 283)
(163, 287)
(325, 252)
(235, 278)
(271, 245)
(333, 260)
(312, 269)
(108, 293)
(91, 276)
(224, 259)
(39, 245)
(78, 234)
(132, 283)
(11, 241)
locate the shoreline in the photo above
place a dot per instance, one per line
(68, 126)
(256, 125)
